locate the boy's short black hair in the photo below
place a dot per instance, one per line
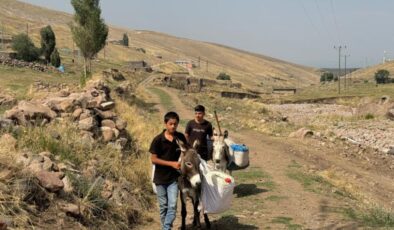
(199, 108)
(171, 115)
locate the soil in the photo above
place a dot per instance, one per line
(282, 189)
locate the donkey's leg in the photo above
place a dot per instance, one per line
(196, 219)
(207, 222)
(183, 210)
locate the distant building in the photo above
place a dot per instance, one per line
(139, 66)
(186, 64)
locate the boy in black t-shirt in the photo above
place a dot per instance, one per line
(201, 130)
(165, 155)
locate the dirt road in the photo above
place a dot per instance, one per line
(281, 188)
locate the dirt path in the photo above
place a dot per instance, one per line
(275, 192)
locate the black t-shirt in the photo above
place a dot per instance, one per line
(199, 131)
(169, 151)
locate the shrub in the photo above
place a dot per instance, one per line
(382, 76)
(25, 49)
(223, 76)
(55, 58)
(327, 76)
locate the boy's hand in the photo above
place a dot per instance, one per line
(176, 165)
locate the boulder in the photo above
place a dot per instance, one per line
(108, 123)
(77, 113)
(29, 110)
(107, 133)
(85, 114)
(87, 123)
(120, 143)
(107, 105)
(105, 114)
(121, 124)
(5, 174)
(6, 124)
(301, 133)
(64, 93)
(51, 180)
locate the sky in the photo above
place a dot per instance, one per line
(299, 31)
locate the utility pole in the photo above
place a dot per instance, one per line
(2, 36)
(346, 56)
(207, 65)
(199, 61)
(339, 48)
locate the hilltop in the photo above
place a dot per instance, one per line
(245, 67)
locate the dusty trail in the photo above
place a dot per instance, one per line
(267, 197)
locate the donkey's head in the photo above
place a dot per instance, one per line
(219, 147)
(190, 163)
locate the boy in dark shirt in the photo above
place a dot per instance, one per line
(201, 130)
(165, 155)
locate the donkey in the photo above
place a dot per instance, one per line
(221, 152)
(189, 183)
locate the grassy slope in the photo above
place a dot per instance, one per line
(245, 67)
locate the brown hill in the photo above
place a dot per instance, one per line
(255, 71)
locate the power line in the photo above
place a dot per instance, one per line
(309, 18)
(339, 48)
(323, 21)
(335, 19)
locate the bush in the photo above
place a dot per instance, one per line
(369, 116)
(382, 76)
(55, 58)
(125, 40)
(223, 76)
(327, 76)
(25, 49)
(48, 42)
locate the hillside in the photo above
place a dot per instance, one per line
(368, 73)
(248, 68)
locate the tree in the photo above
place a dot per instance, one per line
(125, 40)
(55, 58)
(326, 76)
(223, 76)
(48, 42)
(382, 76)
(25, 48)
(89, 30)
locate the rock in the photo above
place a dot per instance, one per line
(108, 123)
(391, 151)
(50, 180)
(390, 114)
(107, 133)
(107, 105)
(229, 109)
(105, 114)
(301, 133)
(67, 185)
(77, 113)
(116, 133)
(48, 165)
(121, 124)
(27, 110)
(71, 209)
(87, 123)
(64, 93)
(45, 154)
(8, 141)
(6, 100)
(85, 114)
(120, 143)
(108, 188)
(35, 167)
(87, 140)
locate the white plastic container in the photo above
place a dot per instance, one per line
(240, 155)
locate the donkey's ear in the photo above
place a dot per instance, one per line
(181, 145)
(196, 144)
(225, 133)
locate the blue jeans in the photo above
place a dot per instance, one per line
(167, 195)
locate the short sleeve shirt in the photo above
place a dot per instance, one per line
(199, 131)
(169, 151)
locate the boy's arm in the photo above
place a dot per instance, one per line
(158, 161)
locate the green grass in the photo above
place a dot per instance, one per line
(313, 183)
(376, 218)
(165, 99)
(286, 221)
